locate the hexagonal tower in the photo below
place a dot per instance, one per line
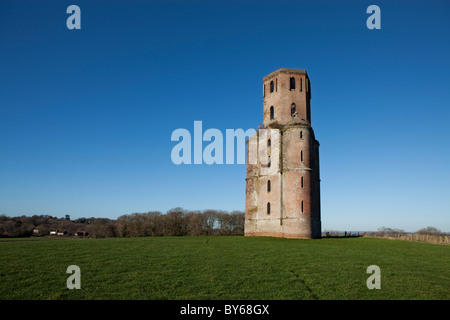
(283, 181)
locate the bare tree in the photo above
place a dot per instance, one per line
(195, 222)
(210, 219)
(430, 231)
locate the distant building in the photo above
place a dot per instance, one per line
(81, 233)
(58, 232)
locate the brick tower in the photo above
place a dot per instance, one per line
(283, 181)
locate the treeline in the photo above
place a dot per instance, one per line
(428, 234)
(392, 232)
(179, 222)
(175, 222)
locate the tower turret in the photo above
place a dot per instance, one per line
(287, 95)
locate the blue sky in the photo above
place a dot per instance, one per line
(86, 115)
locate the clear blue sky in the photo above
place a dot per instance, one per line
(86, 115)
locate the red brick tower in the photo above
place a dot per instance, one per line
(283, 181)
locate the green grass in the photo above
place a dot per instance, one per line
(223, 268)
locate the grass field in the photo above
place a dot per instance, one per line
(223, 268)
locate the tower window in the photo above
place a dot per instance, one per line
(293, 110)
(301, 134)
(302, 182)
(268, 143)
(268, 162)
(268, 186)
(301, 156)
(271, 86)
(302, 207)
(292, 83)
(268, 207)
(301, 84)
(272, 116)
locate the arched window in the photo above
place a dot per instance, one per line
(271, 86)
(268, 207)
(292, 83)
(272, 115)
(293, 110)
(268, 185)
(301, 134)
(268, 143)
